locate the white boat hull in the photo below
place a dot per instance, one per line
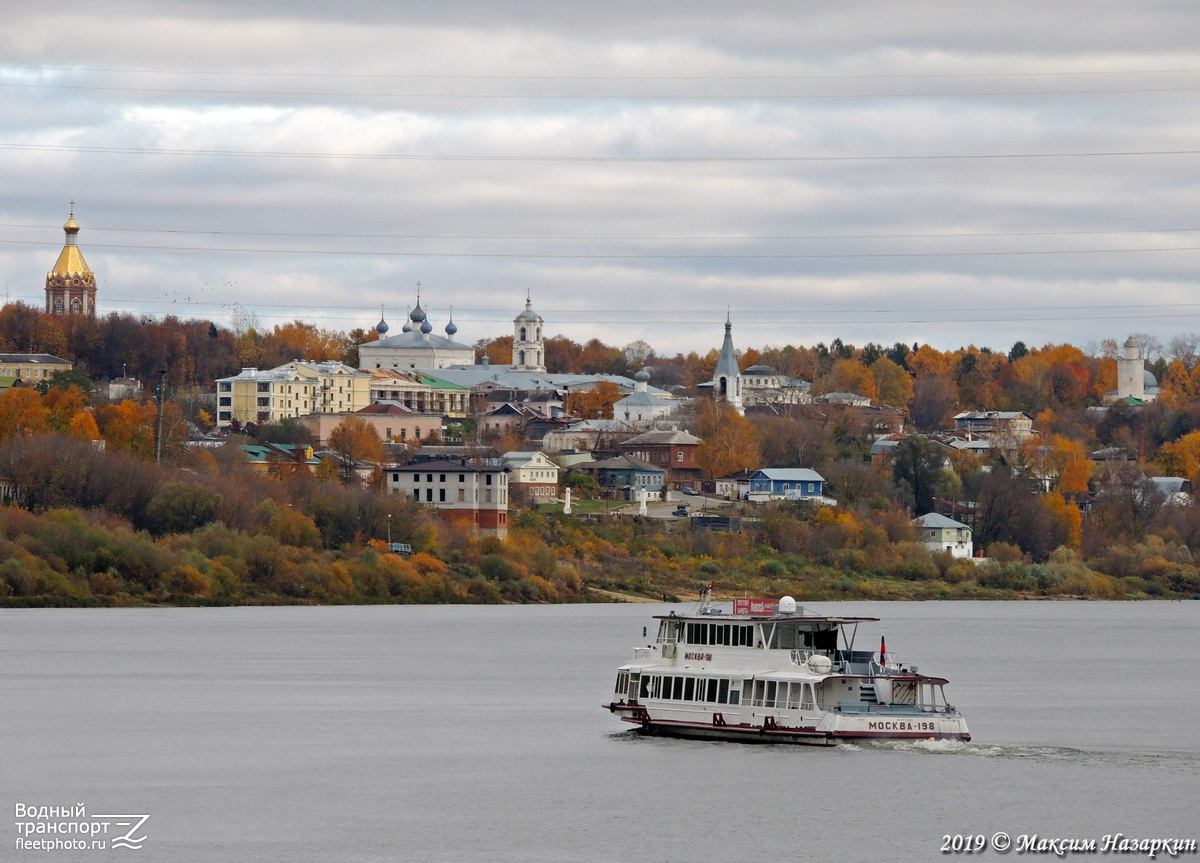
(829, 728)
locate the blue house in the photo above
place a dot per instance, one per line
(627, 472)
(786, 483)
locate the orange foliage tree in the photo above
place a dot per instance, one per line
(595, 402)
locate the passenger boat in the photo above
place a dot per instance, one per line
(769, 672)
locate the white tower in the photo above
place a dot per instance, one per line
(529, 348)
(1131, 372)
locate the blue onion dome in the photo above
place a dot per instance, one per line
(642, 375)
(426, 327)
(417, 314)
(451, 327)
(381, 327)
(407, 328)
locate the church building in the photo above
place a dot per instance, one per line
(71, 286)
(415, 346)
(726, 383)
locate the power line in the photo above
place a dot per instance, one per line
(706, 97)
(431, 157)
(490, 77)
(640, 238)
(699, 256)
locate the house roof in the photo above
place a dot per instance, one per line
(385, 407)
(33, 358)
(449, 466)
(669, 436)
(624, 462)
(788, 474)
(934, 520)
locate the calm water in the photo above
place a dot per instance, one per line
(475, 734)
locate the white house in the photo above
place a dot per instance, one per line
(939, 533)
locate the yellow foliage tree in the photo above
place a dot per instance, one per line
(1177, 388)
(594, 403)
(22, 413)
(1068, 517)
(928, 361)
(729, 441)
(850, 376)
(83, 425)
(893, 385)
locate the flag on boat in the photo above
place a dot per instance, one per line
(882, 650)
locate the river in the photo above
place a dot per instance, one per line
(475, 733)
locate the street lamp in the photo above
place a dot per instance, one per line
(389, 515)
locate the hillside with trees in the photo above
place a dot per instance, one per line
(146, 519)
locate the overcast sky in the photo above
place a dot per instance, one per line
(939, 172)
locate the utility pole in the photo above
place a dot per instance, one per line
(162, 396)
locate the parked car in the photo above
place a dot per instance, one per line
(689, 490)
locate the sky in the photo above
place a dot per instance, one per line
(938, 172)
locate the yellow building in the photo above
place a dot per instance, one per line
(292, 390)
(71, 286)
(30, 369)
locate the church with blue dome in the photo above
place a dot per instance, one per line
(416, 346)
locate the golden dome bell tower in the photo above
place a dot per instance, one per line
(71, 286)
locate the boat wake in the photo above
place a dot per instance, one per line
(1065, 754)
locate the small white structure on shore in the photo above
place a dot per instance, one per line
(939, 533)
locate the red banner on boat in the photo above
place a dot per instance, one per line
(754, 606)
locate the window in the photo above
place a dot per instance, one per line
(462, 495)
(679, 456)
(225, 401)
(263, 388)
(225, 387)
(442, 495)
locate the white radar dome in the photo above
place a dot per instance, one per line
(787, 605)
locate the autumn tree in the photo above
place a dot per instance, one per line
(849, 376)
(354, 439)
(729, 442)
(595, 402)
(893, 385)
(22, 412)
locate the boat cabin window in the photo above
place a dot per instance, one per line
(622, 683)
(731, 634)
(789, 636)
(668, 631)
(770, 693)
(713, 690)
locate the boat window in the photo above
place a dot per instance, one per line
(723, 692)
(678, 696)
(784, 637)
(645, 690)
(757, 697)
(712, 690)
(622, 682)
(733, 696)
(689, 691)
(769, 701)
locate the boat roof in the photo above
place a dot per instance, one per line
(809, 618)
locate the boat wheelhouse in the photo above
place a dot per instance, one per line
(769, 672)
